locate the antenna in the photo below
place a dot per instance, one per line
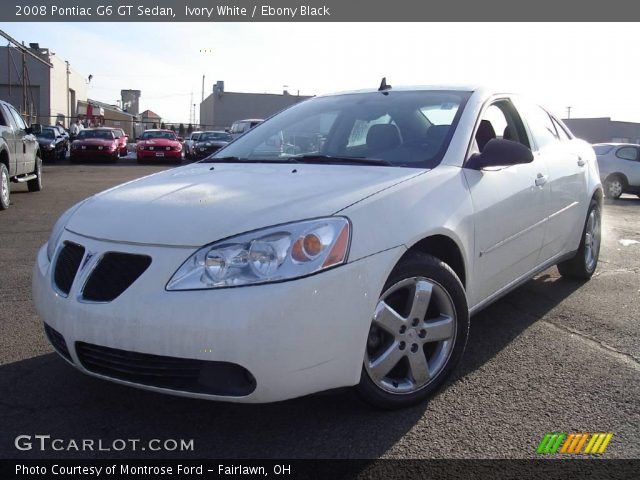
(383, 85)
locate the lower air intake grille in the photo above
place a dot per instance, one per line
(113, 275)
(57, 341)
(67, 266)
(181, 374)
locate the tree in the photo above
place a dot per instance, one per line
(190, 128)
(163, 126)
(181, 129)
(173, 128)
(155, 125)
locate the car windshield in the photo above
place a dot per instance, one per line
(149, 135)
(48, 133)
(101, 134)
(400, 128)
(195, 136)
(118, 133)
(602, 149)
(215, 137)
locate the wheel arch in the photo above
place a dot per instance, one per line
(622, 176)
(4, 157)
(446, 249)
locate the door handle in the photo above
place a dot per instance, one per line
(541, 180)
(581, 162)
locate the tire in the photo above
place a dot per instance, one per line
(613, 187)
(398, 346)
(5, 187)
(35, 185)
(584, 263)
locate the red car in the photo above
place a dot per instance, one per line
(159, 145)
(95, 144)
(122, 138)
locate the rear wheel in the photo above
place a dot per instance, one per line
(418, 333)
(585, 261)
(5, 188)
(613, 187)
(35, 185)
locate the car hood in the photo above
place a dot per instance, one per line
(94, 141)
(199, 204)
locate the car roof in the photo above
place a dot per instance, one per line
(250, 120)
(616, 144)
(213, 131)
(413, 88)
(159, 130)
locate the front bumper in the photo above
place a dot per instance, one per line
(295, 338)
(159, 154)
(105, 154)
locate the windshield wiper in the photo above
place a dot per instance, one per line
(340, 159)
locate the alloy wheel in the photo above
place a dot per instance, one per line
(4, 187)
(592, 239)
(614, 188)
(411, 337)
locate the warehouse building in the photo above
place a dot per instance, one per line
(604, 130)
(46, 91)
(220, 109)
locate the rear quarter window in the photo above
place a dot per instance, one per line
(627, 153)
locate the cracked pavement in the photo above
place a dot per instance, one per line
(553, 355)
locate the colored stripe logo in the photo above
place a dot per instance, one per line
(572, 443)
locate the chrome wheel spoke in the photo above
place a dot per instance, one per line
(419, 367)
(441, 328)
(420, 300)
(387, 318)
(383, 364)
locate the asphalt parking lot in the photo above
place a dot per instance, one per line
(553, 355)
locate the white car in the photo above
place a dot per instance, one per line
(358, 260)
(619, 165)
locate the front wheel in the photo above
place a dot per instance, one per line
(613, 187)
(35, 185)
(418, 333)
(5, 188)
(583, 264)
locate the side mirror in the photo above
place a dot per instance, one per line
(500, 153)
(180, 139)
(35, 129)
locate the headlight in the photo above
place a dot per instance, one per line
(51, 145)
(58, 229)
(272, 254)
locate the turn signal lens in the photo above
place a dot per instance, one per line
(339, 251)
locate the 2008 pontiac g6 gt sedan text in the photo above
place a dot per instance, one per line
(345, 241)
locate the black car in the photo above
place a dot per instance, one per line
(210, 142)
(53, 146)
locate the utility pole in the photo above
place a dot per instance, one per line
(24, 82)
(569, 111)
(68, 119)
(202, 100)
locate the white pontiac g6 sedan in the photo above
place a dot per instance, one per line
(343, 242)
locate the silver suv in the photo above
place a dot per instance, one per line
(619, 165)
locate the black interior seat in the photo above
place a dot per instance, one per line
(435, 136)
(484, 134)
(383, 137)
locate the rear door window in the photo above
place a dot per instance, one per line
(627, 153)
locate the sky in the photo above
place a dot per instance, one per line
(590, 67)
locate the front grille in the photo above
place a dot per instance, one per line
(158, 149)
(67, 266)
(57, 341)
(181, 374)
(114, 273)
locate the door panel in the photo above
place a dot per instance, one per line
(568, 189)
(510, 222)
